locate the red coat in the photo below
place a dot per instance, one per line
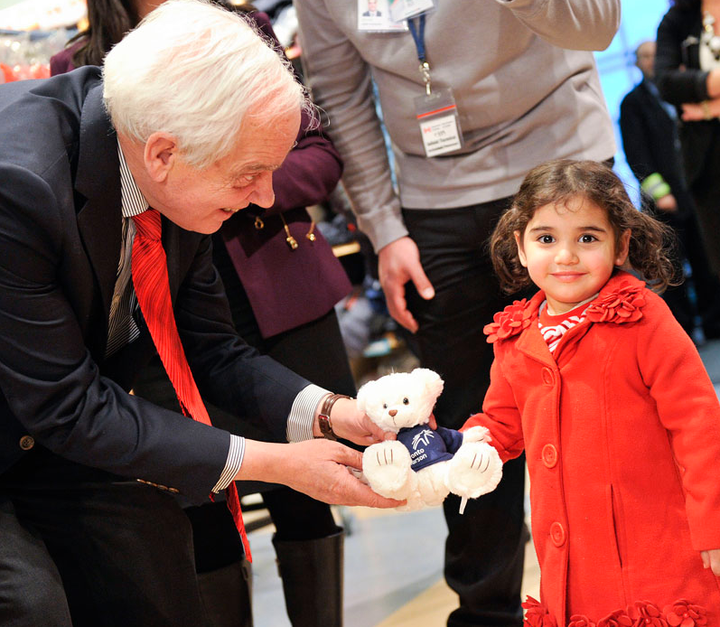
(622, 433)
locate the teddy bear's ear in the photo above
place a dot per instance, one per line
(431, 379)
(364, 394)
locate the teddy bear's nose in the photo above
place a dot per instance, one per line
(392, 412)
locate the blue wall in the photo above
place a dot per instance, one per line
(618, 74)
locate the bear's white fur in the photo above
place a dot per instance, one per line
(403, 400)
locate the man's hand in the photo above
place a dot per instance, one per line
(318, 468)
(711, 559)
(398, 263)
(667, 203)
(696, 111)
(349, 423)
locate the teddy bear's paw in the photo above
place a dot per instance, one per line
(386, 466)
(474, 470)
(476, 434)
(431, 484)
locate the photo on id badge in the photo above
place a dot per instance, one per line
(374, 16)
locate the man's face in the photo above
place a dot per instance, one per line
(646, 59)
(201, 200)
(372, 6)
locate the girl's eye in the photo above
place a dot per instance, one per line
(546, 239)
(587, 239)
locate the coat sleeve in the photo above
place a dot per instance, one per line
(340, 82)
(500, 415)
(636, 144)
(577, 25)
(688, 408)
(677, 81)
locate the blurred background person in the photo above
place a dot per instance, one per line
(687, 68)
(652, 148)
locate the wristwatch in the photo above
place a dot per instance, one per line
(324, 417)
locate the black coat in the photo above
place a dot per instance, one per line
(60, 237)
(680, 80)
(651, 143)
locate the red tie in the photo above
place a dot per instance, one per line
(150, 278)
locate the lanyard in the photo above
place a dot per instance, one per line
(418, 34)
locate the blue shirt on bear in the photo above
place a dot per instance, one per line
(427, 446)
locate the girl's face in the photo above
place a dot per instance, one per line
(569, 251)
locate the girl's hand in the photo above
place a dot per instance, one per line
(711, 559)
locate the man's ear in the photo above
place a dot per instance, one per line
(521, 252)
(160, 152)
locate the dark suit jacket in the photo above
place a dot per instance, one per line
(650, 141)
(680, 80)
(60, 237)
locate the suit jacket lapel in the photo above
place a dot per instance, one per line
(172, 244)
(98, 180)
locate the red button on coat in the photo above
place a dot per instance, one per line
(549, 455)
(557, 534)
(547, 376)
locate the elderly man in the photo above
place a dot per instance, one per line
(110, 186)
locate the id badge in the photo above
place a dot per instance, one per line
(403, 9)
(374, 17)
(439, 122)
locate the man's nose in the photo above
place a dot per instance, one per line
(263, 194)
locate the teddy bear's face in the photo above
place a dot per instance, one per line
(401, 399)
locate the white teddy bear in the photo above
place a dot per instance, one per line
(423, 465)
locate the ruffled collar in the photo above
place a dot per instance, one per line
(620, 301)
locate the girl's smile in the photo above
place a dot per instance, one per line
(570, 251)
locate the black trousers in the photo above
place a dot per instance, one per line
(484, 552)
(705, 190)
(85, 548)
(706, 283)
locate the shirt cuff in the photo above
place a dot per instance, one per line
(302, 413)
(234, 461)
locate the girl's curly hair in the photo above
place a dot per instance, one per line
(652, 243)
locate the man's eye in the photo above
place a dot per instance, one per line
(244, 181)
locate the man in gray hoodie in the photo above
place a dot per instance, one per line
(473, 95)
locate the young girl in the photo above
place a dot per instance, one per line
(605, 392)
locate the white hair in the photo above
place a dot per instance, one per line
(196, 71)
